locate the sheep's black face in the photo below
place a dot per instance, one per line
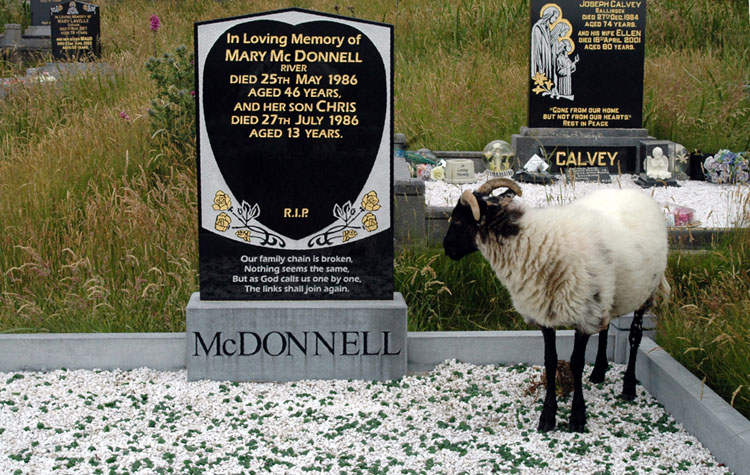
(460, 240)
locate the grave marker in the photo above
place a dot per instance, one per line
(295, 158)
(295, 201)
(586, 63)
(40, 11)
(75, 30)
(585, 81)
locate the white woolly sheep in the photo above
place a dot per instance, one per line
(579, 265)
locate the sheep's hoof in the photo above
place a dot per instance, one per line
(577, 426)
(628, 395)
(597, 375)
(547, 421)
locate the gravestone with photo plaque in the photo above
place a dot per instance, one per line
(295, 200)
(585, 85)
(75, 30)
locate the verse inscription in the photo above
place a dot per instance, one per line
(585, 116)
(301, 275)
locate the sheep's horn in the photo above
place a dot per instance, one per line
(468, 198)
(490, 185)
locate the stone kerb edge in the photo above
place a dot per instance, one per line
(719, 427)
(723, 430)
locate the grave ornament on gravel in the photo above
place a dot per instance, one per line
(294, 145)
(75, 30)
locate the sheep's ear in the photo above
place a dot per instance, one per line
(468, 199)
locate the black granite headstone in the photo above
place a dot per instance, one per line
(295, 168)
(40, 11)
(586, 63)
(75, 30)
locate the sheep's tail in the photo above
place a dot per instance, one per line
(663, 290)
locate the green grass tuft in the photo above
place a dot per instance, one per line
(705, 325)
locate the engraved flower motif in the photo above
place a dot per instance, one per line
(540, 79)
(370, 201)
(542, 83)
(243, 234)
(222, 202)
(222, 222)
(370, 222)
(349, 234)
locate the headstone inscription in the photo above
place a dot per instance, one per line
(295, 166)
(589, 174)
(585, 83)
(75, 30)
(586, 63)
(295, 201)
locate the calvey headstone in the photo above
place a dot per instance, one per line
(586, 63)
(295, 200)
(75, 30)
(585, 84)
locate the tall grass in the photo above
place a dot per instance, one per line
(444, 295)
(98, 216)
(706, 323)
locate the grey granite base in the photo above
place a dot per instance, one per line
(288, 341)
(544, 141)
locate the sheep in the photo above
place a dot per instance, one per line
(578, 265)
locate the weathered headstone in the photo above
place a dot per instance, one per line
(295, 199)
(40, 11)
(585, 82)
(75, 30)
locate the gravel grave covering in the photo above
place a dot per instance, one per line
(716, 206)
(459, 418)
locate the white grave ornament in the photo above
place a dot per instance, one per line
(536, 164)
(657, 165)
(459, 171)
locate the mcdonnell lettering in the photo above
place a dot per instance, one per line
(286, 343)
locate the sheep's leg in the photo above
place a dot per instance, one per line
(578, 411)
(549, 413)
(634, 338)
(601, 365)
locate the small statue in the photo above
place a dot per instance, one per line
(657, 166)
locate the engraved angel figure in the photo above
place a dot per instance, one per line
(541, 43)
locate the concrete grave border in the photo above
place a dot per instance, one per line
(719, 427)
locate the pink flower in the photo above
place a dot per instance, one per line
(124, 115)
(155, 23)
